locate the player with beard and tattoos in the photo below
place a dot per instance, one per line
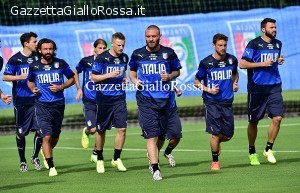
(261, 59)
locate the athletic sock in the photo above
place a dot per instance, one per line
(95, 152)
(269, 146)
(50, 162)
(155, 167)
(169, 149)
(117, 154)
(252, 149)
(215, 156)
(21, 143)
(99, 154)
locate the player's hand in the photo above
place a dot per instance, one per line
(6, 98)
(214, 90)
(235, 87)
(268, 62)
(137, 83)
(23, 76)
(35, 91)
(55, 88)
(178, 92)
(164, 76)
(280, 59)
(125, 82)
(78, 94)
(114, 74)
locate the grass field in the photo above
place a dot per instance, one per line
(191, 174)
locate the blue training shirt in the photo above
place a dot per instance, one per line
(149, 66)
(111, 90)
(19, 64)
(88, 87)
(45, 74)
(263, 79)
(215, 72)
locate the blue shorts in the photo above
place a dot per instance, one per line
(171, 125)
(90, 114)
(219, 119)
(49, 119)
(258, 104)
(25, 119)
(109, 115)
(150, 121)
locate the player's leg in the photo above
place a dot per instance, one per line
(22, 130)
(120, 122)
(276, 112)
(37, 140)
(89, 111)
(256, 110)
(151, 129)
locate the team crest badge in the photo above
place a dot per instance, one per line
(277, 45)
(165, 56)
(230, 61)
(86, 38)
(56, 65)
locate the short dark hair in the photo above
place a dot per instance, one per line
(218, 37)
(153, 27)
(99, 41)
(117, 35)
(25, 37)
(265, 21)
(44, 41)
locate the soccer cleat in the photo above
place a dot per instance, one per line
(85, 140)
(93, 158)
(52, 172)
(100, 166)
(45, 162)
(36, 162)
(118, 164)
(170, 159)
(254, 159)
(157, 175)
(23, 167)
(215, 166)
(270, 156)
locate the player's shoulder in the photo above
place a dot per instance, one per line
(87, 59)
(60, 62)
(207, 59)
(17, 56)
(231, 57)
(141, 50)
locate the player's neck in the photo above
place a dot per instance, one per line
(155, 49)
(266, 38)
(46, 61)
(218, 57)
(26, 52)
(113, 53)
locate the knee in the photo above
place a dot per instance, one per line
(122, 131)
(277, 120)
(225, 138)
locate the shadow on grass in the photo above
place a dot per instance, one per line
(24, 185)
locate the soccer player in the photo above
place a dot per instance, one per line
(46, 81)
(108, 73)
(151, 69)
(5, 98)
(217, 76)
(88, 94)
(261, 59)
(16, 71)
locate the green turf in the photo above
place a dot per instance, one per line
(191, 174)
(76, 109)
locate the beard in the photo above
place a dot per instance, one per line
(152, 44)
(270, 35)
(47, 57)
